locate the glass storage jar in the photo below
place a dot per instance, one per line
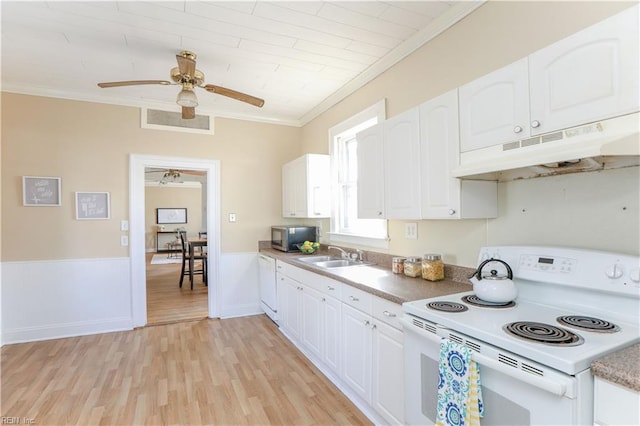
(413, 266)
(397, 265)
(432, 267)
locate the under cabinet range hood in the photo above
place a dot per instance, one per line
(607, 144)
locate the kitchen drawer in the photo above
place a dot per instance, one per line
(324, 285)
(387, 312)
(359, 299)
(318, 282)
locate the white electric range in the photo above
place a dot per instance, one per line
(576, 305)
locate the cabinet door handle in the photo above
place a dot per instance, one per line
(517, 129)
(452, 212)
(366, 322)
(535, 124)
(379, 213)
(324, 300)
(388, 314)
(330, 288)
(373, 327)
(353, 299)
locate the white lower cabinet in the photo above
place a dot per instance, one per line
(357, 338)
(289, 304)
(615, 404)
(354, 338)
(388, 372)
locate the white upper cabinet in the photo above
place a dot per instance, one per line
(495, 108)
(588, 76)
(371, 173)
(442, 196)
(402, 165)
(389, 168)
(305, 187)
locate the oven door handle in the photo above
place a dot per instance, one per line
(546, 384)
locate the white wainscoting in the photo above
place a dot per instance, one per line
(59, 298)
(239, 289)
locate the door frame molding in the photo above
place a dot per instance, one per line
(137, 250)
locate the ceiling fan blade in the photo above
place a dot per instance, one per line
(193, 172)
(186, 65)
(188, 113)
(234, 94)
(133, 83)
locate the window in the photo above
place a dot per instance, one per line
(345, 225)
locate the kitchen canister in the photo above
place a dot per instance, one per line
(432, 267)
(413, 266)
(397, 265)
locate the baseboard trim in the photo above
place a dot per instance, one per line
(240, 311)
(60, 331)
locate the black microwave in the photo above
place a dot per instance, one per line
(287, 237)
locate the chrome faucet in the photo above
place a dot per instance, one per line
(343, 253)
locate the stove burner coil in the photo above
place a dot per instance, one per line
(476, 301)
(543, 333)
(446, 306)
(588, 323)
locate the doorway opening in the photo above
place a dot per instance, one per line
(175, 206)
(139, 233)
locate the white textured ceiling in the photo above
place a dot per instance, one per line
(300, 57)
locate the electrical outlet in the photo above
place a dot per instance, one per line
(124, 240)
(232, 217)
(124, 225)
(411, 231)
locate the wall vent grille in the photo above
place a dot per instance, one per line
(169, 120)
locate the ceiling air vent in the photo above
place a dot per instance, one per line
(169, 120)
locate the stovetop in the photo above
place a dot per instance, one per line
(565, 282)
(486, 324)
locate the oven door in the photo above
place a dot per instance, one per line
(510, 395)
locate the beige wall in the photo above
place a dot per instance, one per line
(172, 197)
(88, 145)
(495, 35)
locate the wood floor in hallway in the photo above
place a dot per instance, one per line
(166, 301)
(238, 371)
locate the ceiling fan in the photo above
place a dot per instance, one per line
(172, 175)
(186, 75)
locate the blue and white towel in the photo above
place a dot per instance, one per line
(459, 393)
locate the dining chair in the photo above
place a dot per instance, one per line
(186, 257)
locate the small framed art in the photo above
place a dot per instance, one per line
(92, 205)
(41, 191)
(171, 215)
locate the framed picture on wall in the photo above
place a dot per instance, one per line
(92, 205)
(171, 215)
(41, 191)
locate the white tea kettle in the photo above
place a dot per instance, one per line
(494, 288)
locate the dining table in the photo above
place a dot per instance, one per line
(193, 244)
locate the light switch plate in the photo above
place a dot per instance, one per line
(124, 240)
(124, 225)
(411, 231)
(232, 217)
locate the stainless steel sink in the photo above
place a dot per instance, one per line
(330, 261)
(315, 259)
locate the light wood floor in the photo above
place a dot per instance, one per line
(239, 371)
(166, 302)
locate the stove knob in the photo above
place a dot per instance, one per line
(634, 274)
(614, 271)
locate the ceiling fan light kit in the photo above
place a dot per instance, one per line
(187, 98)
(186, 75)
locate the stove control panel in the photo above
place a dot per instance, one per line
(597, 270)
(561, 265)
